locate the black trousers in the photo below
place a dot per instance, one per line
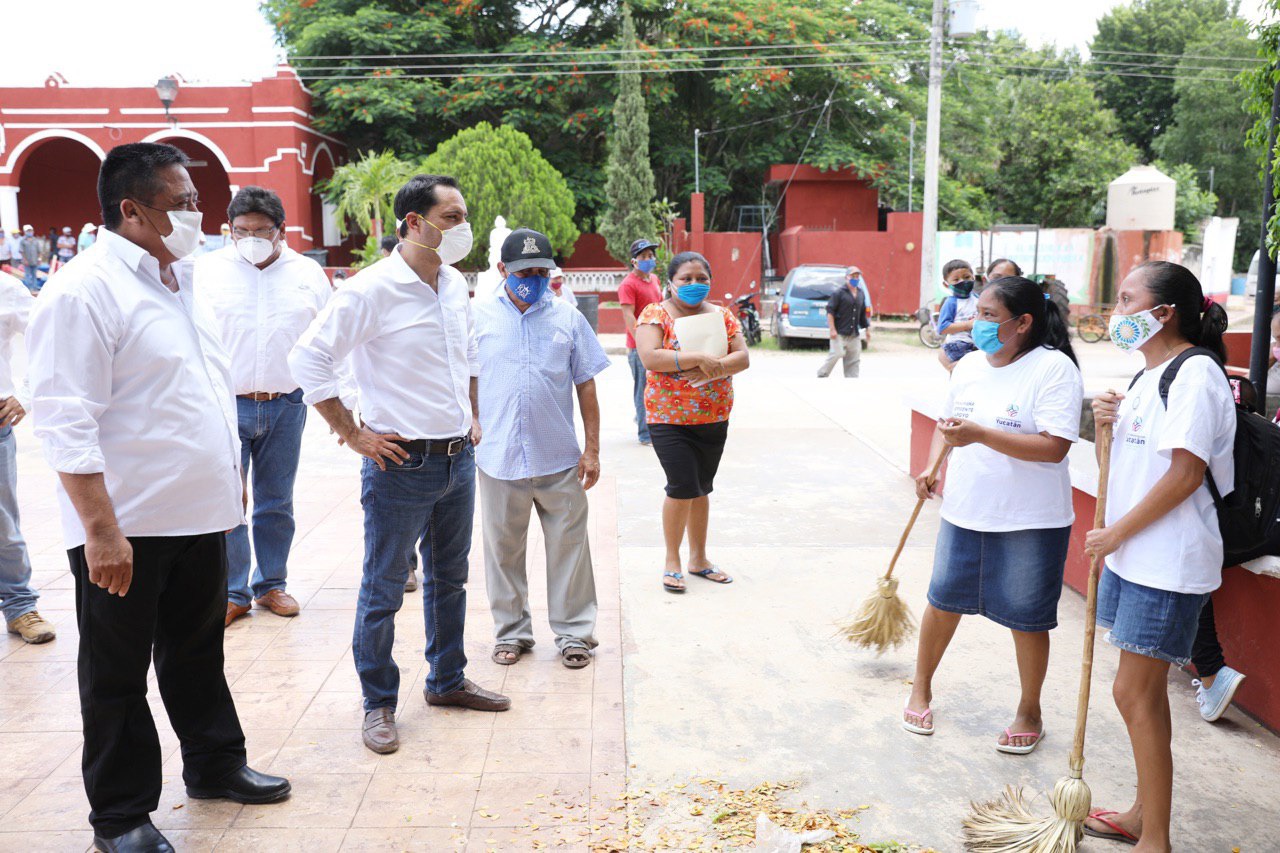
(1206, 651)
(176, 605)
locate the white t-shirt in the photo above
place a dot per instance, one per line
(994, 493)
(966, 310)
(1181, 551)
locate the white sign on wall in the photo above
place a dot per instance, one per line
(1066, 253)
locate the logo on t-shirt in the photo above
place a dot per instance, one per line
(1012, 422)
(1136, 426)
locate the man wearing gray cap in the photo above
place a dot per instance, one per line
(535, 352)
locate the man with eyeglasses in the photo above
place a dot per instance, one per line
(131, 395)
(262, 296)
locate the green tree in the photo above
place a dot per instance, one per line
(1210, 123)
(362, 192)
(1131, 40)
(501, 173)
(1194, 203)
(1259, 85)
(1061, 149)
(628, 189)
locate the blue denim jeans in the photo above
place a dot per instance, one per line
(638, 380)
(270, 442)
(29, 277)
(426, 502)
(15, 567)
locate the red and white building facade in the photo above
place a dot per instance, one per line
(53, 139)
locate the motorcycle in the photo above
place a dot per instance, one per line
(928, 317)
(748, 317)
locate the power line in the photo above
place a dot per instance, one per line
(1084, 72)
(1174, 55)
(765, 120)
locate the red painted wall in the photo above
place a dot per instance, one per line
(590, 251)
(60, 187)
(838, 200)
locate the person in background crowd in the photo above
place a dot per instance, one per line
(639, 290)
(86, 236)
(132, 400)
(49, 246)
(388, 245)
(262, 296)
(562, 290)
(6, 252)
(1273, 359)
(224, 231)
(406, 322)
(16, 595)
(1011, 415)
(1002, 268)
(955, 319)
(13, 242)
(688, 398)
(29, 250)
(855, 276)
(66, 246)
(1161, 542)
(847, 319)
(536, 351)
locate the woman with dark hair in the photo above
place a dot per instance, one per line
(1002, 268)
(1161, 541)
(1011, 414)
(688, 396)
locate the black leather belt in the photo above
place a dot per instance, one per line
(423, 446)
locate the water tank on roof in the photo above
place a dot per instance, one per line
(964, 19)
(1142, 199)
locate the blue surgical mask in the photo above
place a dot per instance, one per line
(646, 266)
(986, 335)
(528, 289)
(693, 294)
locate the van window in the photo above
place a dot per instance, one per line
(816, 283)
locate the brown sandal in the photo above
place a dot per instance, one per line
(575, 657)
(501, 651)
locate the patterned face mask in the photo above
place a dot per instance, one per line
(1131, 331)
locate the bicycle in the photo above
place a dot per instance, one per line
(1094, 326)
(928, 318)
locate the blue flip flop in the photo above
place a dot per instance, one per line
(678, 576)
(706, 573)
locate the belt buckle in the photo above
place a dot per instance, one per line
(455, 441)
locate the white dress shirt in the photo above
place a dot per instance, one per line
(16, 303)
(260, 313)
(130, 380)
(412, 351)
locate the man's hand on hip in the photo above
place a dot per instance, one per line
(11, 412)
(110, 559)
(378, 446)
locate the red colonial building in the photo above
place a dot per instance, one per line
(53, 138)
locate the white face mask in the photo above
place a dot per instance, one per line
(255, 250)
(186, 235)
(1131, 331)
(455, 243)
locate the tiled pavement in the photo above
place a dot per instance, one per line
(544, 772)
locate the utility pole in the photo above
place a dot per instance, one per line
(933, 120)
(1266, 294)
(911, 167)
(697, 173)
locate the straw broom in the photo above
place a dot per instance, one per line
(883, 621)
(1006, 825)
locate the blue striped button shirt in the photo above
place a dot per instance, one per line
(530, 364)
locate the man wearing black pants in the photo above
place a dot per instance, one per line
(132, 399)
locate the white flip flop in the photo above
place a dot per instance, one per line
(1020, 750)
(914, 729)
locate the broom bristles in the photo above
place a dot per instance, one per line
(882, 622)
(1007, 825)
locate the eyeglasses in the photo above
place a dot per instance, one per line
(261, 233)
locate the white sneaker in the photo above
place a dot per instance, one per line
(1213, 701)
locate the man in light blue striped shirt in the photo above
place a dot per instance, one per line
(535, 352)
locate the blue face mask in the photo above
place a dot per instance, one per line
(693, 294)
(986, 335)
(646, 266)
(528, 289)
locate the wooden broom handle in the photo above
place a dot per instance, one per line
(933, 478)
(1091, 603)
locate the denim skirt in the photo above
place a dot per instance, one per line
(1154, 623)
(1013, 578)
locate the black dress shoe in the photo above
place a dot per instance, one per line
(246, 786)
(143, 839)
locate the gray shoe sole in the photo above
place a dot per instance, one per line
(1223, 704)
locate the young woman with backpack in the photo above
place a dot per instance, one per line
(1012, 413)
(1162, 546)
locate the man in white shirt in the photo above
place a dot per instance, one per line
(262, 296)
(16, 594)
(406, 324)
(131, 397)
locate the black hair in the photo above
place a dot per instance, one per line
(1174, 284)
(418, 195)
(956, 264)
(389, 243)
(1017, 270)
(684, 258)
(256, 200)
(129, 171)
(1048, 327)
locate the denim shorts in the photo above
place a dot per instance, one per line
(1155, 623)
(1013, 578)
(958, 350)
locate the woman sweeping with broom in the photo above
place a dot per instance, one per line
(1011, 415)
(1161, 541)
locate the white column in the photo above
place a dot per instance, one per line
(9, 210)
(932, 131)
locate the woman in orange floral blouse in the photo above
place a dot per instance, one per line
(688, 424)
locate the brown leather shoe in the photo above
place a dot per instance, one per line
(279, 602)
(470, 695)
(235, 611)
(380, 730)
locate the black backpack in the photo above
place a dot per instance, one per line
(1248, 517)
